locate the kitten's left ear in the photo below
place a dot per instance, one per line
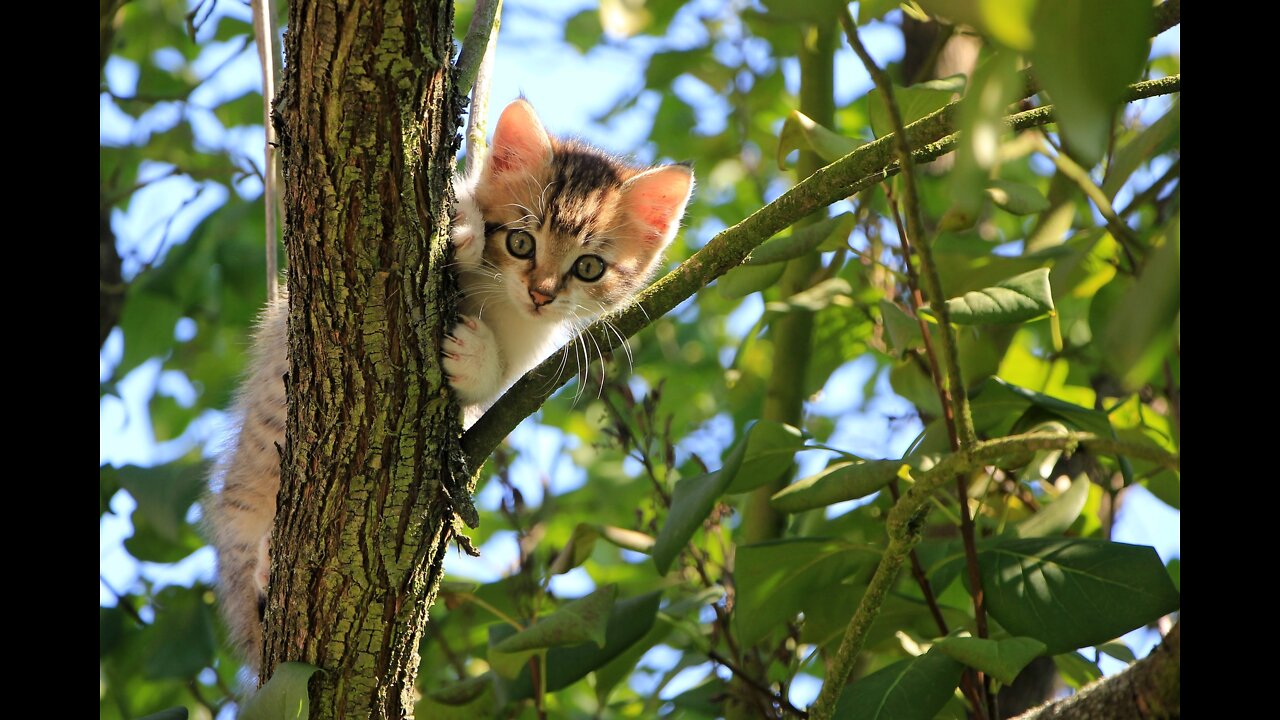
(656, 199)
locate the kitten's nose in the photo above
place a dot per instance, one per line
(540, 298)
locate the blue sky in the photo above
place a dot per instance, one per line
(567, 90)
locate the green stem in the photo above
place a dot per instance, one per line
(933, 135)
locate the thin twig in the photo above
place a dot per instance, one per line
(954, 395)
(476, 45)
(745, 677)
(1152, 191)
(477, 148)
(265, 34)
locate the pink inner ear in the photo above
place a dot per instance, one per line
(519, 141)
(657, 199)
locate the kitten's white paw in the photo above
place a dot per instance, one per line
(471, 361)
(467, 230)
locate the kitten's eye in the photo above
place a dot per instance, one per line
(520, 244)
(589, 268)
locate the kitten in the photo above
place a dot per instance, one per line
(548, 234)
(554, 233)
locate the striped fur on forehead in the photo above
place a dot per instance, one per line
(575, 196)
(583, 189)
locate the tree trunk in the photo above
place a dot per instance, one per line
(368, 128)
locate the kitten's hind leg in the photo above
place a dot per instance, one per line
(472, 362)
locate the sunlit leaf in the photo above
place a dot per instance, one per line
(1085, 65)
(1073, 592)
(1017, 299)
(284, 696)
(912, 689)
(837, 483)
(1059, 514)
(800, 132)
(1001, 659)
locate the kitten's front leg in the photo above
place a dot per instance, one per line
(472, 362)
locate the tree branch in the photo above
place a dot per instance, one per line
(266, 36)
(933, 135)
(476, 45)
(476, 145)
(1149, 688)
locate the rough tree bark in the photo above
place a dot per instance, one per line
(368, 127)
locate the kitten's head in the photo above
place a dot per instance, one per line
(571, 230)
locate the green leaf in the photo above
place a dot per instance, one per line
(904, 330)
(1076, 670)
(629, 620)
(110, 628)
(1119, 651)
(1060, 514)
(147, 543)
(832, 291)
(911, 689)
(998, 404)
(1074, 592)
(837, 483)
(1085, 65)
(1141, 149)
(164, 493)
(181, 638)
(913, 102)
(576, 551)
(691, 502)
(245, 110)
(776, 580)
(771, 446)
(230, 28)
(583, 30)
(1020, 298)
(1142, 329)
(746, 279)
(800, 132)
(148, 321)
(464, 691)
(1016, 198)
(284, 697)
(996, 84)
(1008, 22)
(1001, 659)
(582, 620)
(706, 699)
(804, 240)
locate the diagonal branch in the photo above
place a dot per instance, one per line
(932, 136)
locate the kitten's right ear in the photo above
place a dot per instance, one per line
(520, 144)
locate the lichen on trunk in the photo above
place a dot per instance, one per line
(368, 126)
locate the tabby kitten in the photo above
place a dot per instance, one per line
(548, 235)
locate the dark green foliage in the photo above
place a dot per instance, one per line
(1062, 328)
